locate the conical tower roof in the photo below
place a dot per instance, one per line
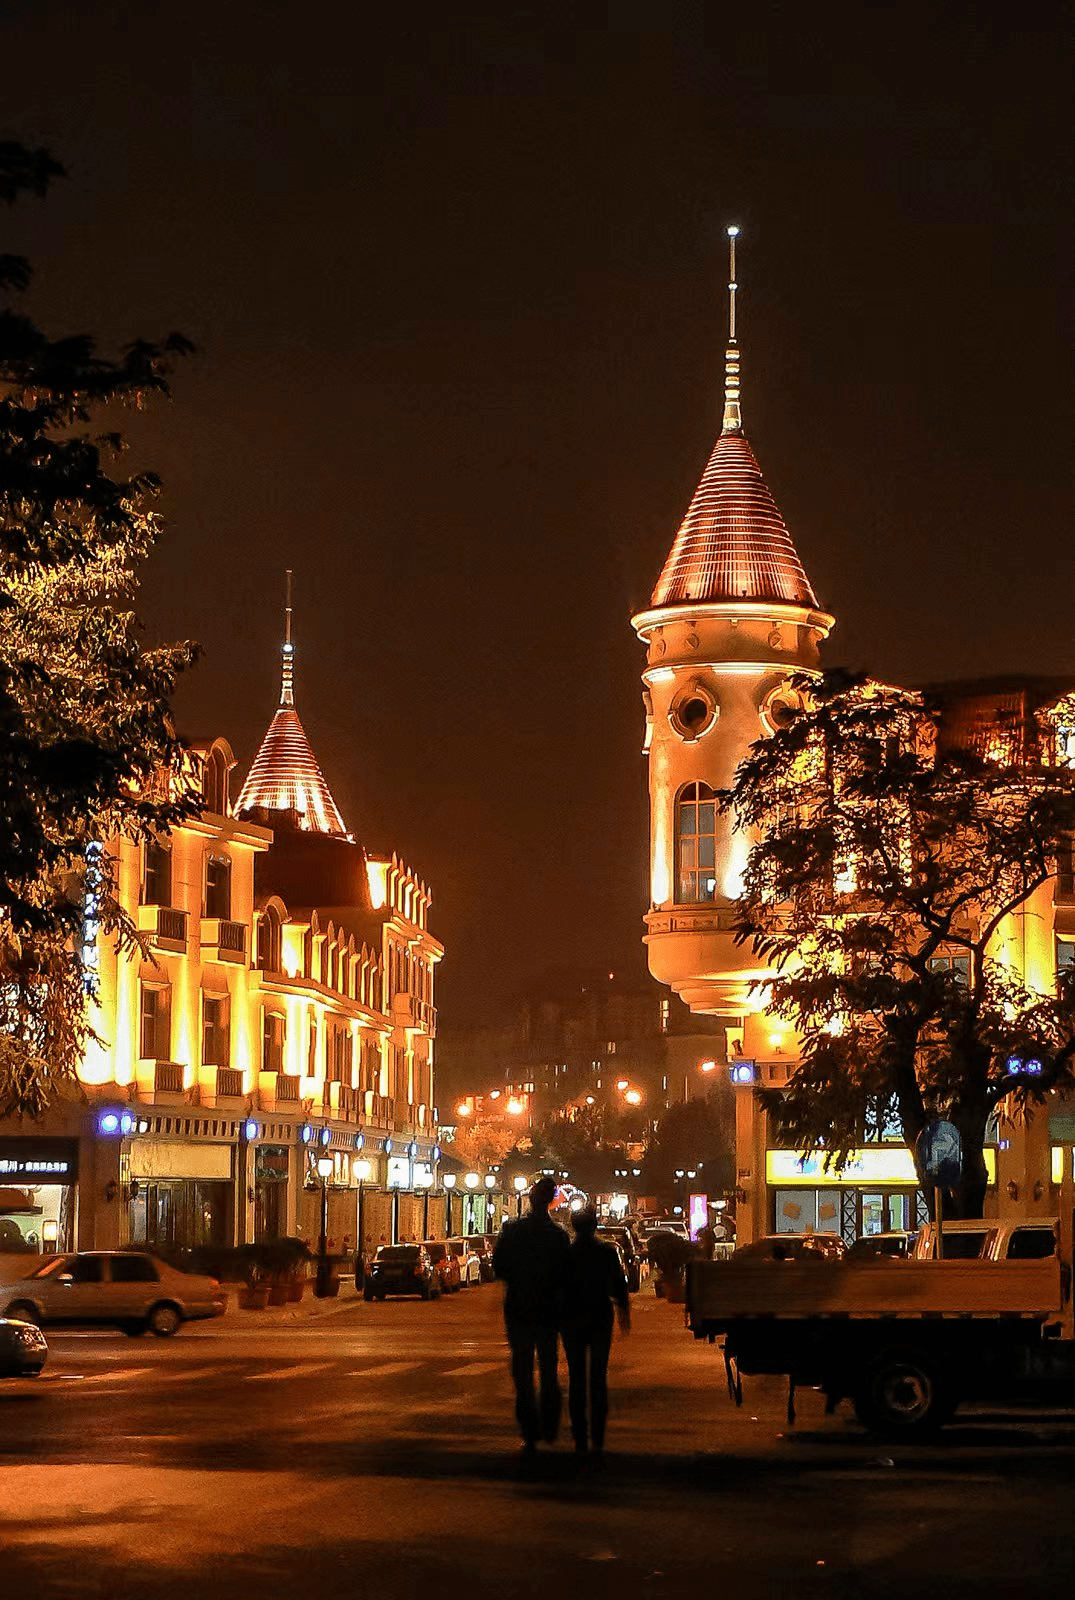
(285, 775)
(733, 544)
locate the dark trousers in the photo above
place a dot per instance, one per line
(538, 1416)
(581, 1346)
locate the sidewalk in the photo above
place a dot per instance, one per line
(307, 1310)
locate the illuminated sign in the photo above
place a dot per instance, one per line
(742, 1072)
(698, 1212)
(39, 1160)
(399, 1172)
(883, 1164)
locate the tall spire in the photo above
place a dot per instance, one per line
(733, 543)
(285, 777)
(733, 416)
(287, 683)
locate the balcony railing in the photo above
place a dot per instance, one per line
(287, 1086)
(229, 1082)
(223, 940)
(165, 925)
(408, 1011)
(168, 1077)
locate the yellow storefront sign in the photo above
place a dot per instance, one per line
(884, 1164)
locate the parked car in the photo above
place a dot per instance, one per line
(445, 1265)
(996, 1239)
(401, 1269)
(880, 1246)
(624, 1240)
(23, 1350)
(114, 1288)
(470, 1267)
(483, 1249)
(793, 1247)
(669, 1225)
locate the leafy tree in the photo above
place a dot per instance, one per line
(85, 732)
(886, 863)
(482, 1144)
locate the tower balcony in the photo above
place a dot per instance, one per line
(692, 950)
(166, 927)
(223, 940)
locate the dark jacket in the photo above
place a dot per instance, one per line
(531, 1255)
(594, 1281)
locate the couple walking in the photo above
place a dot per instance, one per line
(556, 1288)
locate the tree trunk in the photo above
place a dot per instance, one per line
(968, 1200)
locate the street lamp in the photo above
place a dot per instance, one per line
(519, 1185)
(361, 1169)
(448, 1180)
(472, 1181)
(325, 1167)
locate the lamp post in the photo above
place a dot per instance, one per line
(490, 1185)
(325, 1166)
(361, 1169)
(472, 1181)
(448, 1180)
(519, 1185)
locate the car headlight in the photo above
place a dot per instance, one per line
(29, 1337)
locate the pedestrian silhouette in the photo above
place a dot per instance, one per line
(595, 1282)
(530, 1256)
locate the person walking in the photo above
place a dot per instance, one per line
(595, 1282)
(530, 1257)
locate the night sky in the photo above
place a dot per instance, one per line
(456, 275)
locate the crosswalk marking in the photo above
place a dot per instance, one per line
(385, 1368)
(120, 1373)
(473, 1369)
(302, 1369)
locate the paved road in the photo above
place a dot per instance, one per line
(373, 1451)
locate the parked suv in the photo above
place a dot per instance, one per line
(470, 1266)
(116, 1288)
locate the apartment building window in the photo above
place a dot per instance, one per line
(1065, 957)
(272, 1042)
(156, 873)
(666, 1015)
(218, 886)
(311, 1047)
(156, 1022)
(216, 1030)
(1065, 872)
(696, 843)
(957, 965)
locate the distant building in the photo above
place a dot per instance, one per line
(284, 1010)
(732, 617)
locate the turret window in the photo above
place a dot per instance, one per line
(696, 843)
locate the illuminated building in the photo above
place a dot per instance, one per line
(284, 1008)
(732, 617)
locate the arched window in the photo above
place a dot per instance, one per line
(215, 783)
(696, 843)
(270, 941)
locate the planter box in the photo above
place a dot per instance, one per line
(295, 1291)
(254, 1299)
(278, 1294)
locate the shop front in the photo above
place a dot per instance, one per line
(38, 1195)
(875, 1192)
(181, 1194)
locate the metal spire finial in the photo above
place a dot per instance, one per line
(733, 416)
(287, 685)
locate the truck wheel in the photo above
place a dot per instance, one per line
(903, 1395)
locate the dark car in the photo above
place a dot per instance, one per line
(793, 1247)
(625, 1241)
(445, 1265)
(881, 1246)
(23, 1350)
(401, 1269)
